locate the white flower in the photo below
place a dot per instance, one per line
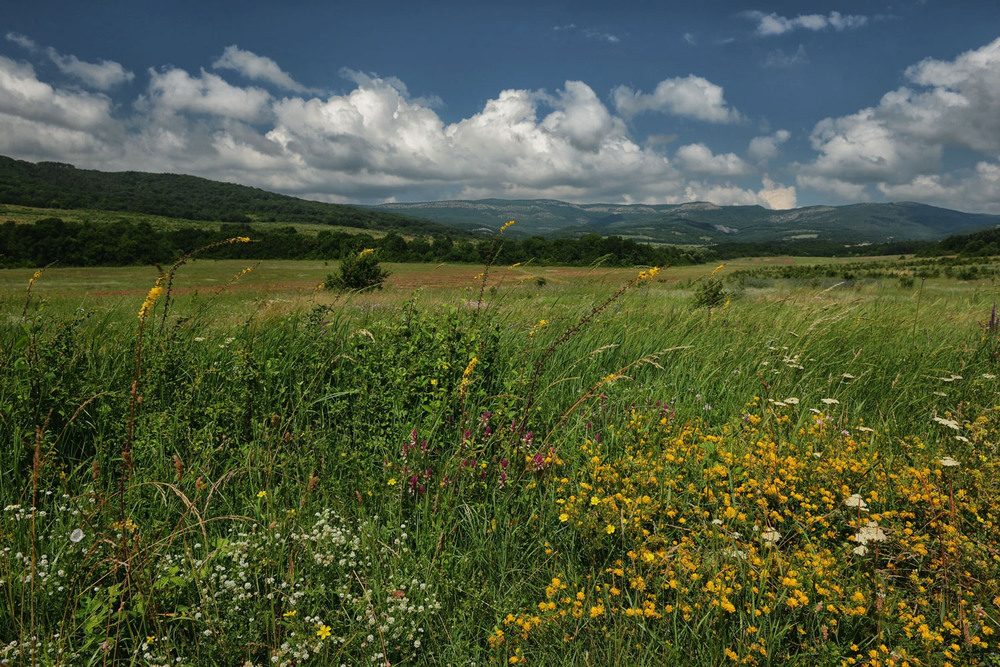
(989, 376)
(949, 462)
(830, 401)
(860, 550)
(870, 533)
(848, 376)
(961, 438)
(950, 423)
(792, 401)
(952, 378)
(771, 536)
(856, 501)
(76, 535)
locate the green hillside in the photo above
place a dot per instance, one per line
(56, 185)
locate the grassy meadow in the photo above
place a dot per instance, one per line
(539, 465)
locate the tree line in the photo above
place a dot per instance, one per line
(138, 243)
(126, 243)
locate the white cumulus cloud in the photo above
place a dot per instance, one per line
(699, 159)
(691, 96)
(104, 75)
(776, 196)
(774, 24)
(767, 147)
(899, 145)
(256, 67)
(175, 90)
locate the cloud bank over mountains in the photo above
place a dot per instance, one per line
(245, 119)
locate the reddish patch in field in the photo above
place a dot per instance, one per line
(289, 286)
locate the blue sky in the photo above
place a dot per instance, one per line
(780, 104)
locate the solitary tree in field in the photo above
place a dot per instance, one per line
(360, 271)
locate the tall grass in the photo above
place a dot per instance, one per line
(566, 474)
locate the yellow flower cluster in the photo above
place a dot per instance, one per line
(648, 275)
(154, 294)
(782, 541)
(467, 376)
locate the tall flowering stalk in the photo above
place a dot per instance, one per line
(644, 275)
(463, 388)
(494, 251)
(169, 276)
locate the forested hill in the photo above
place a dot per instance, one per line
(63, 186)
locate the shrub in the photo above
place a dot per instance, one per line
(359, 272)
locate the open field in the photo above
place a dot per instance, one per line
(582, 468)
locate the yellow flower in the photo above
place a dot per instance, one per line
(154, 294)
(464, 386)
(648, 275)
(261, 494)
(323, 632)
(366, 251)
(289, 614)
(392, 481)
(507, 225)
(609, 529)
(564, 517)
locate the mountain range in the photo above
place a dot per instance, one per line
(705, 223)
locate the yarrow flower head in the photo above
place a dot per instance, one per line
(950, 423)
(857, 501)
(872, 532)
(949, 462)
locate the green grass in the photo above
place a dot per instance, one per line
(267, 473)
